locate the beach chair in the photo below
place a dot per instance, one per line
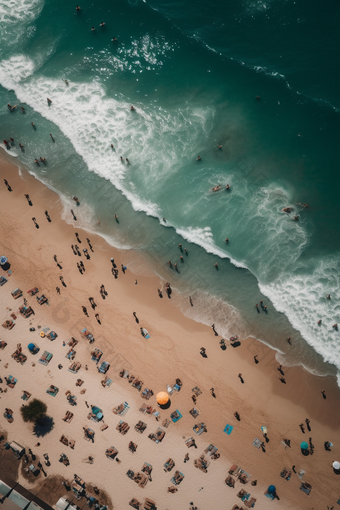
(137, 383)
(11, 381)
(202, 463)
(169, 465)
(106, 383)
(111, 453)
(26, 395)
(33, 291)
(306, 487)
(194, 412)
(25, 311)
(135, 504)
(3, 280)
(211, 449)
(123, 427)
(177, 478)
(104, 367)
(250, 503)
(230, 482)
(42, 299)
(86, 334)
(68, 417)
(70, 354)
(140, 427)
(149, 504)
(73, 342)
(147, 394)
(9, 324)
(132, 447)
(121, 409)
(175, 416)
(89, 434)
(46, 358)
(64, 440)
(166, 423)
(64, 459)
(198, 428)
(16, 293)
(96, 354)
(52, 335)
(52, 390)
(196, 391)
(75, 367)
(147, 468)
(190, 442)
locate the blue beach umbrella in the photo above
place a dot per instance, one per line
(271, 489)
(31, 347)
(304, 445)
(3, 260)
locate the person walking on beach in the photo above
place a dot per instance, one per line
(216, 266)
(256, 360)
(62, 281)
(241, 378)
(73, 215)
(58, 290)
(28, 200)
(35, 223)
(89, 243)
(214, 330)
(280, 370)
(283, 380)
(77, 237)
(48, 217)
(302, 428)
(180, 248)
(52, 138)
(289, 341)
(212, 391)
(170, 264)
(159, 293)
(97, 318)
(308, 425)
(85, 311)
(324, 394)
(135, 316)
(237, 416)
(176, 268)
(190, 301)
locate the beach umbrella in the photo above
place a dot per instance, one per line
(3, 260)
(336, 465)
(42, 334)
(304, 445)
(162, 398)
(31, 347)
(271, 489)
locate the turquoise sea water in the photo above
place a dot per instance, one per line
(192, 71)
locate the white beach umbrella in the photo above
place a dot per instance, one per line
(336, 465)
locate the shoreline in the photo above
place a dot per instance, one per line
(297, 398)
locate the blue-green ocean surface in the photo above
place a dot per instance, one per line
(192, 71)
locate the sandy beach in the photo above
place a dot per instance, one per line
(171, 352)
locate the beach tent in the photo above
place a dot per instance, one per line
(271, 489)
(162, 398)
(304, 445)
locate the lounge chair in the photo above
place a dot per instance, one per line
(46, 358)
(202, 463)
(111, 453)
(132, 447)
(106, 383)
(194, 412)
(16, 293)
(175, 416)
(250, 503)
(137, 384)
(166, 423)
(158, 436)
(190, 442)
(147, 394)
(3, 280)
(230, 482)
(89, 434)
(86, 334)
(26, 311)
(211, 449)
(149, 504)
(121, 409)
(64, 459)
(199, 428)
(75, 367)
(104, 367)
(64, 440)
(33, 291)
(9, 324)
(96, 354)
(72, 343)
(11, 381)
(42, 299)
(177, 478)
(52, 390)
(123, 427)
(140, 427)
(196, 391)
(26, 395)
(70, 354)
(169, 465)
(135, 504)
(68, 417)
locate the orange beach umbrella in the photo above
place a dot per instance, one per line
(162, 398)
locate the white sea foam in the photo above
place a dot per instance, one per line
(302, 297)
(15, 12)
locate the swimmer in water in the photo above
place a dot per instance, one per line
(217, 188)
(102, 24)
(114, 39)
(227, 187)
(198, 158)
(296, 218)
(132, 108)
(93, 29)
(78, 8)
(287, 209)
(66, 82)
(49, 101)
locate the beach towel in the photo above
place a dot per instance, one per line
(270, 496)
(264, 430)
(146, 334)
(257, 443)
(176, 417)
(228, 429)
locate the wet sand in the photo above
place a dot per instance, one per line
(172, 351)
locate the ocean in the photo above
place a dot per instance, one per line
(260, 79)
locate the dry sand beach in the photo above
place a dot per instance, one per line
(172, 351)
